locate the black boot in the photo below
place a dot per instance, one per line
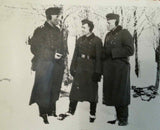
(63, 116)
(92, 118)
(93, 106)
(122, 115)
(71, 111)
(52, 114)
(112, 121)
(123, 122)
(45, 119)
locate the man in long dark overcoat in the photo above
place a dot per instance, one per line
(86, 69)
(118, 47)
(48, 63)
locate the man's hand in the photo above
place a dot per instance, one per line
(57, 56)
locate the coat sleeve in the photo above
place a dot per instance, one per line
(127, 48)
(74, 60)
(99, 57)
(36, 41)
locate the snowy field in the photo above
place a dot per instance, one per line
(16, 114)
(15, 63)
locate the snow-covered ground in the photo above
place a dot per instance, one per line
(15, 56)
(16, 114)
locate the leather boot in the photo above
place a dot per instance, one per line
(122, 122)
(92, 118)
(45, 119)
(52, 114)
(63, 116)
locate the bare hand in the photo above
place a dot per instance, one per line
(57, 56)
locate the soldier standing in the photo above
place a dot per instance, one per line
(48, 63)
(86, 70)
(118, 46)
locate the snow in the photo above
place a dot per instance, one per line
(15, 112)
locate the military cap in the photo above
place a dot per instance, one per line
(159, 26)
(111, 16)
(53, 11)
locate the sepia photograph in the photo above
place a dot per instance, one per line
(79, 65)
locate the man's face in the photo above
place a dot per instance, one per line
(85, 29)
(55, 19)
(111, 24)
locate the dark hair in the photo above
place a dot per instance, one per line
(90, 24)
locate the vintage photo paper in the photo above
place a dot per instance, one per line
(140, 20)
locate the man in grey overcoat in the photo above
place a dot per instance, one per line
(118, 47)
(86, 69)
(48, 63)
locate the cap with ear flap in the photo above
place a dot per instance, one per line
(158, 26)
(111, 16)
(53, 11)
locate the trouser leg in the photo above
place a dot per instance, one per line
(42, 110)
(43, 113)
(122, 113)
(72, 106)
(52, 107)
(52, 110)
(93, 106)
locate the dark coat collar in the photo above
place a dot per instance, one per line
(46, 24)
(118, 28)
(89, 37)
